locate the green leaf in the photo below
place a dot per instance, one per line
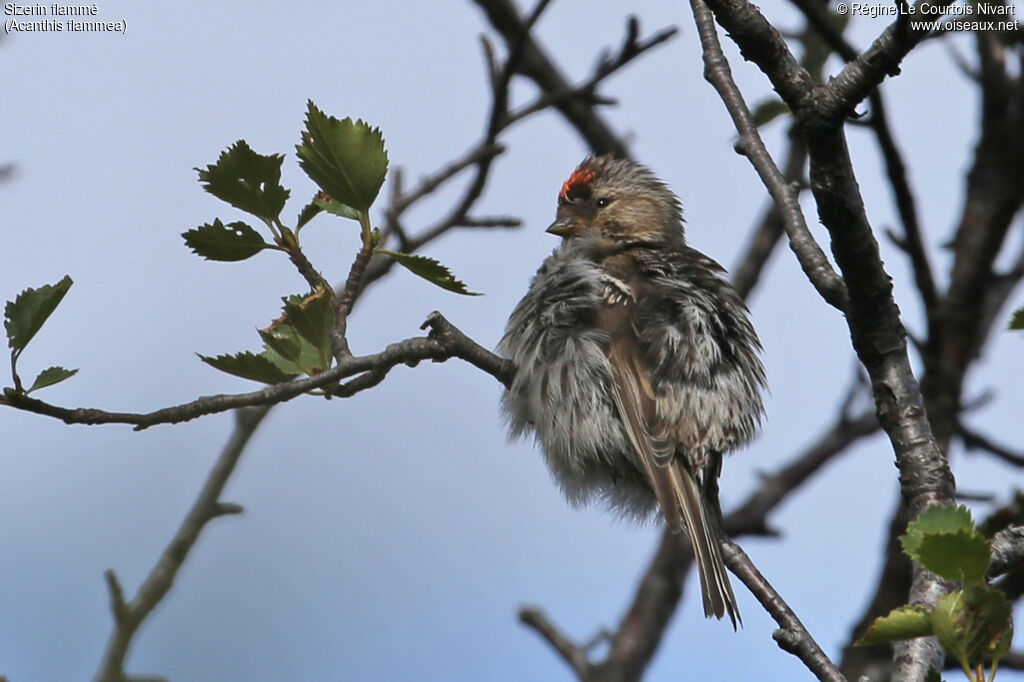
(906, 622)
(937, 519)
(283, 340)
(308, 212)
(1017, 322)
(336, 207)
(430, 270)
(232, 242)
(307, 360)
(974, 623)
(51, 376)
(313, 317)
(249, 366)
(247, 180)
(25, 315)
(299, 342)
(768, 110)
(345, 158)
(963, 556)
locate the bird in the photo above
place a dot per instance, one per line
(637, 365)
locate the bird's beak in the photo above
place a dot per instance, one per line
(564, 228)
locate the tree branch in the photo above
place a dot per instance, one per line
(872, 315)
(575, 656)
(717, 72)
(576, 103)
(792, 636)
(760, 43)
(770, 229)
(635, 641)
(911, 241)
(973, 440)
(1007, 550)
(538, 67)
(444, 342)
(129, 615)
(862, 75)
(819, 17)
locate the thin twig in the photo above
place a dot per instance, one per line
(129, 615)
(524, 57)
(431, 183)
(538, 67)
(444, 342)
(859, 78)
(586, 91)
(912, 242)
(634, 642)
(823, 22)
(792, 635)
(818, 16)
(575, 656)
(872, 315)
(717, 72)
(486, 222)
(770, 229)
(975, 441)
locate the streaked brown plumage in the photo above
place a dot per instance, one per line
(637, 363)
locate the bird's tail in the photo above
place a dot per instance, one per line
(705, 537)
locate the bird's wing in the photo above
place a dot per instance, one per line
(673, 484)
(634, 398)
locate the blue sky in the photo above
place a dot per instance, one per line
(394, 535)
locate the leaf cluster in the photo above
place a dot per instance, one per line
(348, 162)
(297, 343)
(23, 318)
(973, 623)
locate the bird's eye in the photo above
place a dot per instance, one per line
(602, 202)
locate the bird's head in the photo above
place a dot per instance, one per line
(617, 199)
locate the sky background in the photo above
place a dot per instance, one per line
(393, 536)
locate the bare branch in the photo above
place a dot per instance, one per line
(717, 72)
(761, 244)
(762, 44)
(912, 242)
(1007, 550)
(792, 635)
(821, 20)
(872, 315)
(975, 441)
(575, 103)
(429, 184)
(751, 516)
(607, 65)
(536, 65)
(634, 643)
(535, 619)
(490, 221)
(861, 76)
(129, 616)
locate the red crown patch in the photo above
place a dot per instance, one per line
(578, 183)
